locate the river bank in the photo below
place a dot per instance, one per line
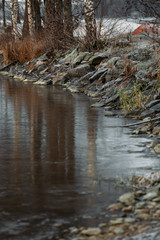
(123, 78)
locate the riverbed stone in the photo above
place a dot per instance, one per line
(127, 198)
(43, 82)
(156, 130)
(98, 104)
(153, 235)
(117, 221)
(97, 74)
(97, 58)
(115, 207)
(149, 196)
(76, 72)
(81, 56)
(147, 113)
(111, 62)
(152, 103)
(129, 220)
(127, 209)
(144, 216)
(70, 57)
(156, 199)
(109, 113)
(140, 205)
(91, 231)
(118, 230)
(157, 148)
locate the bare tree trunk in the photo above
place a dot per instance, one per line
(68, 22)
(25, 30)
(4, 13)
(49, 13)
(13, 5)
(37, 15)
(30, 19)
(90, 22)
(59, 19)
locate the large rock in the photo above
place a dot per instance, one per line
(97, 74)
(82, 56)
(112, 62)
(77, 72)
(127, 198)
(97, 58)
(70, 57)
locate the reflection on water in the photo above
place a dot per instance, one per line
(58, 159)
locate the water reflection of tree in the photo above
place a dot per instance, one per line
(49, 137)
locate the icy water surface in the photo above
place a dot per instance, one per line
(58, 160)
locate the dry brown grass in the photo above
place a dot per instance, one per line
(130, 70)
(22, 50)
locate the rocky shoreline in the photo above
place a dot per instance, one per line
(125, 79)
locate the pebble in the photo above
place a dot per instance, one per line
(91, 231)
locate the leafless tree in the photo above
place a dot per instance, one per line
(4, 13)
(90, 22)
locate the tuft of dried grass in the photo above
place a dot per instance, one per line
(22, 50)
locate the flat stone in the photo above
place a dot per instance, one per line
(152, 103)
(156, 199)
(73, 89)
(147, 113)
(140, 205)
(115, 207)
(91, 231)
(129, 220)
(141, 211)
(111, 99)
(149, 196)
(98, 104)
(118, 230)
(109, 113)
(144, 216)
(140, 193)
(43, 82)
(97, 74)
(102, 225)
(117, 221)
(57, 225)
(156, 107)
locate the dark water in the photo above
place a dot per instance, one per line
(59, 159)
